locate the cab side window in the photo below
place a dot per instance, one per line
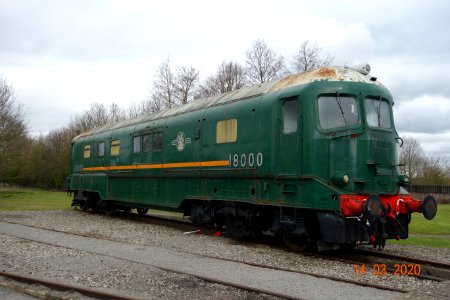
(137, 144)
(290, 116)
(100, 149)
(226, 131)
(157, 141)
(147, 142)
(115, 147)
(87, 151)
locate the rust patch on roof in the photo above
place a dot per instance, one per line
(305, 77)
(326, 72)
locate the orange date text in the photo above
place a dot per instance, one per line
(382, 269)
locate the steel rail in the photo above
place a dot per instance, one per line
(431, 270)
(432, 263)
(334, 278)
(55, 285)
(205, 278)
(356, 256)
(182, 224)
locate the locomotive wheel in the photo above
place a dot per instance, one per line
(142, 211)
(83, 206)
(299, 245)
(110, 211)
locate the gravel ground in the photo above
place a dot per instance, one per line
(110, 274)
(65, 264)
(14, 290)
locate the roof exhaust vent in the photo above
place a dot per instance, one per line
(362, 68)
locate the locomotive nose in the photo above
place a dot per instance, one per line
(429, 207)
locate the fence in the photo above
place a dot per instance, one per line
(429, 189)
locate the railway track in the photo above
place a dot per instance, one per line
(334, 278)
(384, 264)
(374, 261)
(181, 225)
(60, 286)
(432, 270)
(396, 265)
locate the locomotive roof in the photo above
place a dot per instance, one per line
(321, 74)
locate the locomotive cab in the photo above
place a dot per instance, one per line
(359, 158)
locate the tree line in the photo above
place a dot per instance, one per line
(182, 84)
(421, 168)
(43, 161)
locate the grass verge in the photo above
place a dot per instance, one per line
(439, 225)
(32, 199)
(426, 230)
(424, 241)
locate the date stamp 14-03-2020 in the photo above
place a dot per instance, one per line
(382, 269)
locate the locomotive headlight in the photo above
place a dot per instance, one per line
(345, 178)
(340, 178)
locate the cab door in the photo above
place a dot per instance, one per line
(288, 146)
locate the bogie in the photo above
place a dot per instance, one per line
(142, 211)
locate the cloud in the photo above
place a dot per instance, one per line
(413, 76)
(351, 43)
(62, 56)
(434, 144)
(423, 115)
(54, 90)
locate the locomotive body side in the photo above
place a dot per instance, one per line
(311, 157)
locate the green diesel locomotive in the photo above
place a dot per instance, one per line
(311, 157)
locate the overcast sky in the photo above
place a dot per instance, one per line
(61, 56)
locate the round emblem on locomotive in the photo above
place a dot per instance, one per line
(181, 141)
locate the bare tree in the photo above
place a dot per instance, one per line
(163, 87)
(13, 132)
(186, 82)
(208, 88)
(230, 76)
(263, 63)
(139, 108)
(412, 158)
(116, 113)
(97, 115)
(308, 57)
(434, 172)
(47, 159)
(171, 89)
